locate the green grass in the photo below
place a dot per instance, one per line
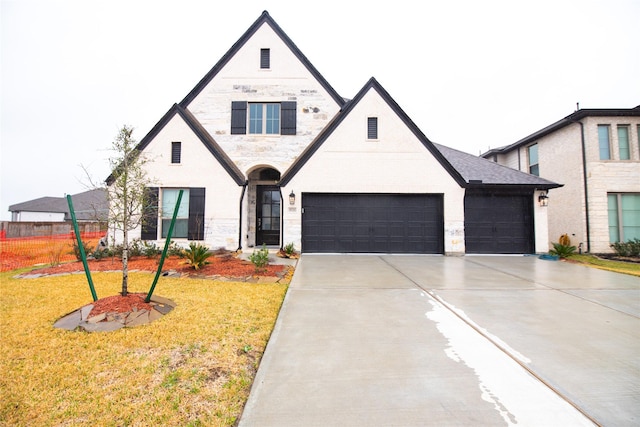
(604, 264)
(194, 366)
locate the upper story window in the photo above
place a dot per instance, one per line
(263, 118)
(534, 168)
(176, 152)
(623, 142)
(372, 128)
(265, 59)
(603, 142)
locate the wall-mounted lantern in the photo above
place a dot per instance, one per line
(292, 198)
(543, 199)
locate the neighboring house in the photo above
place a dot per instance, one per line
(595, 153)
(268, 153)
(88, 206)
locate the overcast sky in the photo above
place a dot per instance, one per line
(471, 74)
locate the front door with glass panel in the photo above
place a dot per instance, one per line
(268, 216)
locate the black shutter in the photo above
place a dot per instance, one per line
(176, 149)
(372, 128)
(265, 58)
(196, 214)
(288, 124)
(238, 117)
(150, 215)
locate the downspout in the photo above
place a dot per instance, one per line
(281, 218)
(244, 188)
(586, 190)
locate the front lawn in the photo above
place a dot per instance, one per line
(192, 367)
(631, 268)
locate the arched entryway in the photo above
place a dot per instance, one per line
(265, 207)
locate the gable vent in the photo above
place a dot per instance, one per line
(265, 58)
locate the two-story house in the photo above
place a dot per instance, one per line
(267, 152)
(595, 153)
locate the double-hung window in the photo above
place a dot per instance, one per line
(603, 142)
(623, 142)
(624, 216)
(264, 119)
(260, 118)
(169, 199)
(534, 168)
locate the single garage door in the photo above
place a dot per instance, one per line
(372, 223)
(498, 223)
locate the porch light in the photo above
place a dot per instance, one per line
(543, 199)
(292, 198)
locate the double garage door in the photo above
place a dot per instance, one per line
(372, 223)
(414, 223)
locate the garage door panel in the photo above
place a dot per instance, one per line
(499, 223)
(376, 223)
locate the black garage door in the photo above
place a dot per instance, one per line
(372, 223)
(498, 223)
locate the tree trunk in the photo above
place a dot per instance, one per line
(125, 262)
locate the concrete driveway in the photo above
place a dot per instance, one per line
(441, 341)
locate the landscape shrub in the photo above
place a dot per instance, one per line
(630, 248)
(197, 255)
(260, 258)
(563, 251)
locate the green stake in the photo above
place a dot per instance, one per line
(83, 255)
(166, 247)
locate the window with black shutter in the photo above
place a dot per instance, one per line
(265, 59)
(239, 117)
(150, 214)
(372, 128)
(288, 123)
(176, 149)
(196, 213)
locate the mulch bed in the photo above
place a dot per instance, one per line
(226, 266)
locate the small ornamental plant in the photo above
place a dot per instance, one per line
(260, 258)
(196, 255)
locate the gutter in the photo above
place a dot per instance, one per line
(244, 189)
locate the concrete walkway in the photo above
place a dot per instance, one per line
(442, 341)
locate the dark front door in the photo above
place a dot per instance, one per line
(268, 216)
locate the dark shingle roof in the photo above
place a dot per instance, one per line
(482, 172)
(88, 206)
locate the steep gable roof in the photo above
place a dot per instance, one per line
(372, 84)
(264, 19)
(566, 121)
(201, 133)
(480, 172)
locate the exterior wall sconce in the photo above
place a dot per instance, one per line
(292, 198)
(543, 199)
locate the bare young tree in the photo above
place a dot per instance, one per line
(126, 191)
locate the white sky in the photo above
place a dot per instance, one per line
(471, 74)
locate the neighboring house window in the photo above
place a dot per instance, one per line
(372, 128)
(623, 143)
(176, 151)
(263, 118)
(534, 168)
(265, 58)
(624, 216)
(190, 220)
(603, 142)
